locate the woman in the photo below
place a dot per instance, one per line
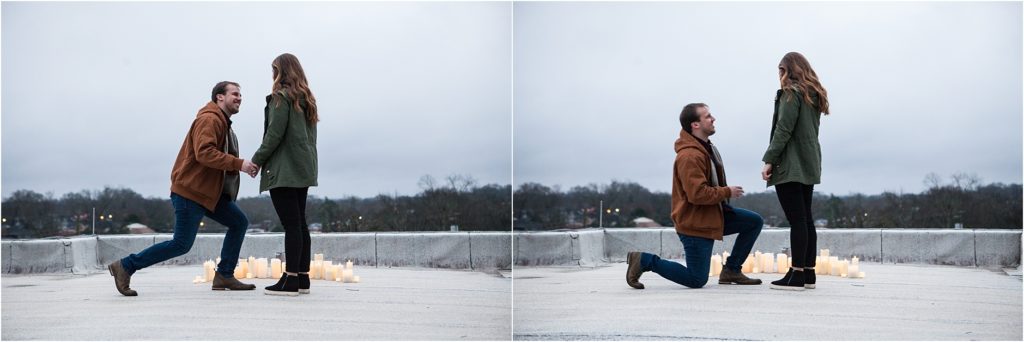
(288, 163)
(792, 162)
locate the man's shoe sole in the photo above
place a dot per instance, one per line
(280, 293)
(808, 286)
(231, 289)
(787, 288)
(304, 291)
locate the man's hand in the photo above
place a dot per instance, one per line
(250, 168)
(766, 172)
(735, 191)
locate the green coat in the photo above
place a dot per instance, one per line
(287, 156)
(794, 151)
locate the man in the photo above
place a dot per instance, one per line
(204, 182)
(700, 211)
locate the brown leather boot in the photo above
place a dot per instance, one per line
(225, 283)
(121, 278)
(633, 270)
(736, 277)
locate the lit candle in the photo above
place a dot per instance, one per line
(716, 265)
(843, 268)
(854, 270)
(275, 268)
(835, 267)
(248, 275)
(328, 268)
(315, 266)
(355, 279)
(210, 268)
(240, 269)
(348, 264)
(781, 259)
(346, 275)
(748, 265)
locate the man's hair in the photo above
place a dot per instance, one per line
(221, 88)
(690, 115)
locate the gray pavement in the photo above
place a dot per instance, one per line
(389, 304)
(894, 302)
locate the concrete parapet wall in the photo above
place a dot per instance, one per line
(543, 248)
(963, 247)
(461, 250)
(490, 250)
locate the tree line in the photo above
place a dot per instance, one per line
(456, 200)
(961, 201)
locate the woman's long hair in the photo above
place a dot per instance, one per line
(795, 73)
(288, 75)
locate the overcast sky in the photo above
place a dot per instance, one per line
(102, 94)
(914, 88)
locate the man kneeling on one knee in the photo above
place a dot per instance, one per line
(700, 211)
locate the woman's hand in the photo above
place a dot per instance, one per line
(766, 172)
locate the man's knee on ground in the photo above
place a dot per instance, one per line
(699, 282)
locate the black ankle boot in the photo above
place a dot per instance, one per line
(809, 278)
(287, 286)
(794, 280)
(304, 283)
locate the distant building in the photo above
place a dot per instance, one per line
(138, 228)
(643, 222)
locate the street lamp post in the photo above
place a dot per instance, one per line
(601, 219)
(94, 221)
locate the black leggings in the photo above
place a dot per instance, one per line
(290, 204)
(795, 199)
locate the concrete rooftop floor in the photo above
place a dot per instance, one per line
(893, 302)
(389, 304)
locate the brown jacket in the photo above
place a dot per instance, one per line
(696, 205)
(198, 173)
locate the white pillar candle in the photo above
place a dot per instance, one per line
(782, 262)
(346, 275)
(853, 271)
(843, 268)
(355, 279)
(716, 265)
(835, 267)
(210, 268)
(748, 265)
(348, 264)
(240, 270)
(264, 268)
(314, 266)
(275, 268)
(328, 268)
(248, 275)
(855, 261)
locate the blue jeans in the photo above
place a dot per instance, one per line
(697, 251)
(187, 215)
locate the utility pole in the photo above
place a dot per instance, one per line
(93, 221)
(600, 221)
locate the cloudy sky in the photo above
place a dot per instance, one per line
(914, 88)
(102, 94)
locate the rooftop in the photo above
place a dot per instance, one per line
(388, 304)
(893, 302)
